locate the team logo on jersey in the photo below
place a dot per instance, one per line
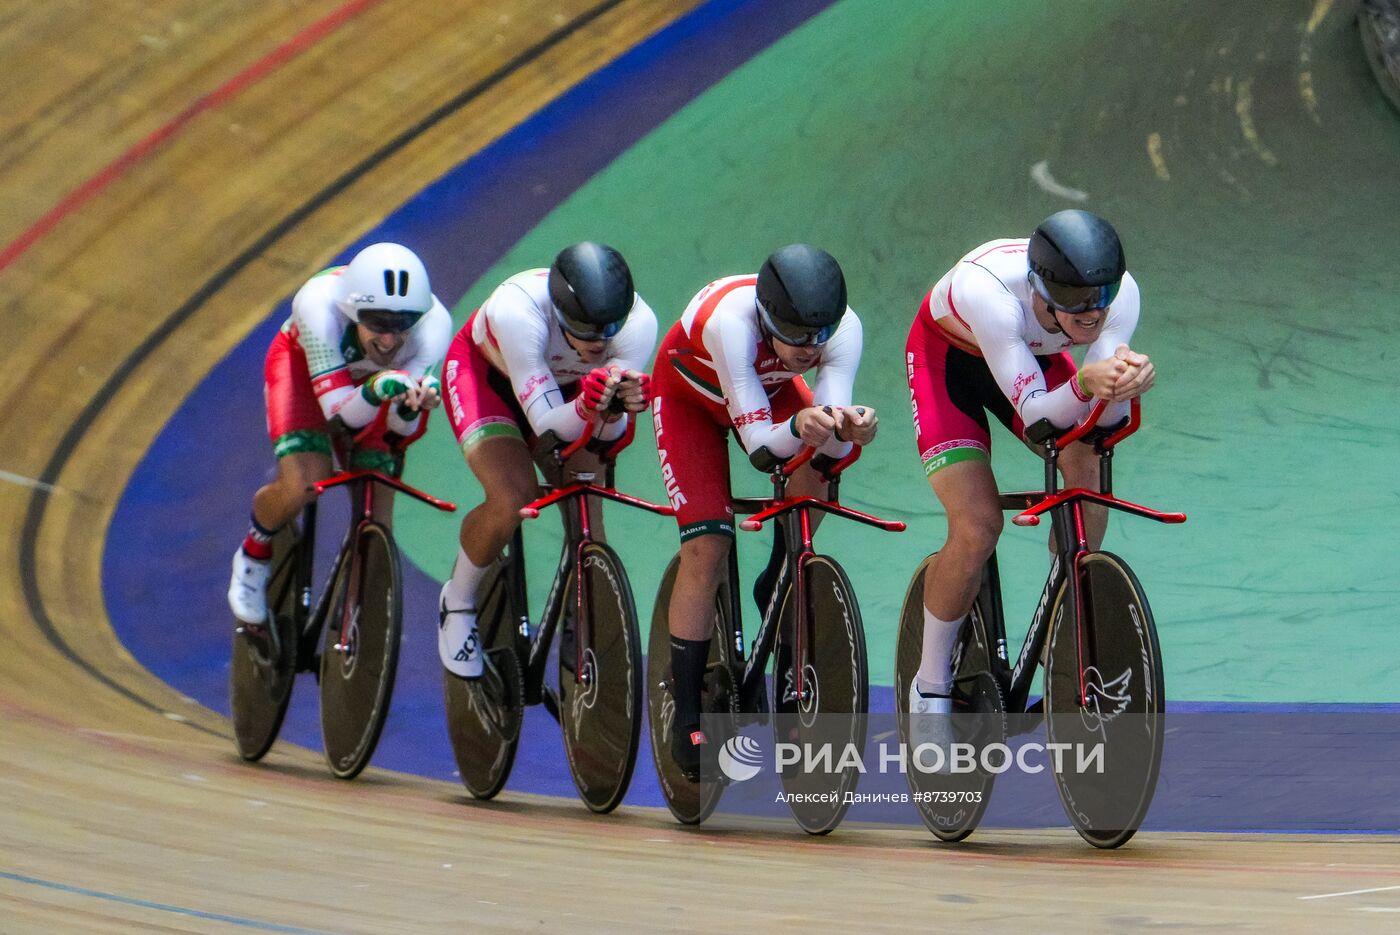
(748, 418)
(1023, 380)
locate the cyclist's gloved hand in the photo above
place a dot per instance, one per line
(389, 385)
(428, 398)
(633, 392)
(595, 392)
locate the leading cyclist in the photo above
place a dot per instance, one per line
(550, 351)
(992, 335)
(734, 362)
(355, 353)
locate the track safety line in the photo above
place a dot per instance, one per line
(230, 89)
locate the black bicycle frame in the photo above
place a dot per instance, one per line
(362, 486)
(578, 534)
(794, 523)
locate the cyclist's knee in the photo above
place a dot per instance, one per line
(975, 535)
(296, 473)
(705, 557)
(1079, 467)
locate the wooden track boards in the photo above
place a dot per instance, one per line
(122, 791)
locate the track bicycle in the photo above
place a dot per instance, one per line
(359, 611)
(1103, 667)
(599, 695)
(812, 630)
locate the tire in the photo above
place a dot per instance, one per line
(836, 693)
(1124, 683)
(484, 715)
(690, 802)
(601, 714)
(951, 804)
(260, 682)
(358, 681)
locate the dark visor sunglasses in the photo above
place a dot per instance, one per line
(794, 335)
(587, 330)
(1074, 299)
(383, 321)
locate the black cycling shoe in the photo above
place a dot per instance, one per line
(688, 748)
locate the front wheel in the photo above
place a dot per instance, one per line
(950, 803)
(1114, 733)
(827, 706)
(600, 682)
(263, 666)
(690, 802)
(484, 715)
(361, 650)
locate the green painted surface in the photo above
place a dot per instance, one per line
(898, 134)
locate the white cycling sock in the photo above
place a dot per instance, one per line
(936, 664)
(461, 588)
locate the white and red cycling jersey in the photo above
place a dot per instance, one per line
(977, 345)
(514, 335)
(720, 350)
(316, 364)
(716, 371)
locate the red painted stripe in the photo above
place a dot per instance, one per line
(219, 96)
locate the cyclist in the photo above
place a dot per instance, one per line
(992, 335)
(734, 362)
(355, 354)
(550, 351)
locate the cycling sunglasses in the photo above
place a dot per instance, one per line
(587, 330)
(794, 335)
(383, 321)
(1074, 299)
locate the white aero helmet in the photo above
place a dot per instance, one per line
(385, 288)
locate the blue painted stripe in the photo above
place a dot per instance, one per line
(159, 907)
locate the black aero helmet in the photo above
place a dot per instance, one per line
(1076, 261)
(801, 295)
(591, 288)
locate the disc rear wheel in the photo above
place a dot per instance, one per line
(950, 803)
(690, 802)
(484, 715)
(263, 665)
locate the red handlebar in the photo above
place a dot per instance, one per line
(613, 450)
(1092, 419)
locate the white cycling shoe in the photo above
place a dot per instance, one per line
(459, 646)
(931, 722)
(247, 590)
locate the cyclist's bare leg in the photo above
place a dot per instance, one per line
(1079, 466)
(968, 492)
(703, 565)
(277, 502)
(507, 474)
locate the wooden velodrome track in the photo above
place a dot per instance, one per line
(158, 163)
